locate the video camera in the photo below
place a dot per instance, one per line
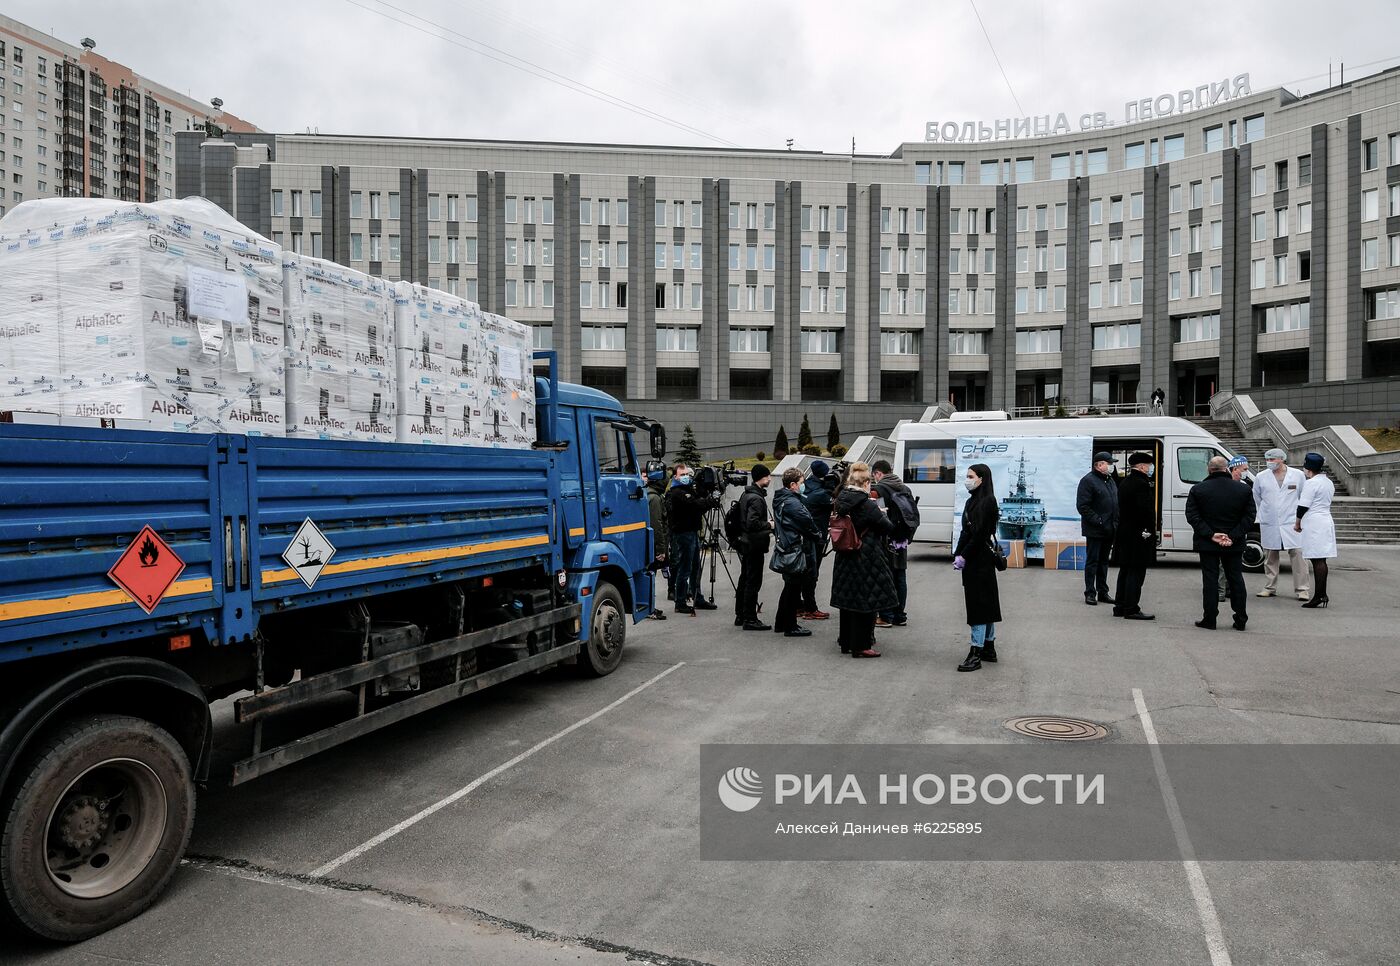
(712, 479)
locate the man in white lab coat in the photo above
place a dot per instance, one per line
(1276, 502)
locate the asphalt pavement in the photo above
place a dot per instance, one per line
(555, 820)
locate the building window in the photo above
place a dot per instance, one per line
(1370, 204)
(1059, 167)
(923, 172)
(1370, 155)
(1174, 285)
(1196, 195)
(1096, 211)
(674, 338)
(1124, 335)
(1280, 222)
(1213, 138)
(357, 247)
(1193, 283)
(1198, 328)
(819, 341)
(470, 205)
(1115, 209)
(277, 205)
(394, 205)
(1258, 182)
(1253, 128)
(1096, 295)
(608, 338)
(1174, 198)
(1288, 317)
(1135, 205)
(1280, 269)
(1174, 147)
(1135, 248)
(1173, 242)
(899, 343)
(1037, 340)
(357, 204)
(1304, 170)
(1258, 230)
(748, 340)
(1256, 273)
(1383, 304)
(1097, 161)
(1217, 234)
(967, 343)
(1370, 254)
(1305, 266)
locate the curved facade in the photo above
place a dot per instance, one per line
(1253, 243)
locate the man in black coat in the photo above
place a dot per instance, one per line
(1097, 502)
(1220, 511)
(816, 496)
(756, 527)
(1135, 544)
(685, 512)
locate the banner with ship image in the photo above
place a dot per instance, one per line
(1036, 480)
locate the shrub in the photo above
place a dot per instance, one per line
(760, 456)
(838, 451)
(780, 445)
(778, 454)
(811, 449)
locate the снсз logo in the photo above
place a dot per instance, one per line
(740, 789)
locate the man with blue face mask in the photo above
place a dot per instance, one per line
(1135, 541)
(686, 514)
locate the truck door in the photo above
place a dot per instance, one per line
(575, 466)
(622, 504)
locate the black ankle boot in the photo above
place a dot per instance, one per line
(973, 661)
(989, 652)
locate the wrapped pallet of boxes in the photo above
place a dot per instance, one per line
(465, 376)
(341, 382)
(508, 372)
(161, 316)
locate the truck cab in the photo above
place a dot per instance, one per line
(602, 514)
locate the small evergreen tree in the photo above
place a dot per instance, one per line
(689, 450)
(804, 434)
(780, 445)
(833, 434)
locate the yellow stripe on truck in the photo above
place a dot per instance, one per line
(625, 527)
(412, 557)
(44, 606)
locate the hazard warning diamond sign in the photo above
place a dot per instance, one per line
(146, 569)
(309, 552)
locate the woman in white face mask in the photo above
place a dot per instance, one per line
(973, 556)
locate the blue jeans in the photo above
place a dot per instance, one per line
(683, 569)
(983, 634)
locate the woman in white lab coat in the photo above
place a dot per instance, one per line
(1315, 524)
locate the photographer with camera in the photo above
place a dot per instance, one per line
(686, 515)
(754, 529)
(816, 495)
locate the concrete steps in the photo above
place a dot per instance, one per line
(1362, 520)
(1252, 449)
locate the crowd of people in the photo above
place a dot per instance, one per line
(863, 517)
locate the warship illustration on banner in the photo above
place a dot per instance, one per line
(1022, 514)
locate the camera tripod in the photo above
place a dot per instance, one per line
(713, 545)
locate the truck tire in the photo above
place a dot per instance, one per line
(96, 828)
(607, 633)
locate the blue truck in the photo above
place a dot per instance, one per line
(144, 575)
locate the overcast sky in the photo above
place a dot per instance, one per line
(746, 72)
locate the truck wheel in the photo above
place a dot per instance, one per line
(99, 823)
(602, 651)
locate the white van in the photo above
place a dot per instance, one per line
(926, 458)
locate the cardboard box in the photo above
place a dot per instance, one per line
(1065, 555)
(1015, 553)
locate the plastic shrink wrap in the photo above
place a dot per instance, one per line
(160, 316)
(341, 382)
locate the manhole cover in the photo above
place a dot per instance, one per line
(1057, 728)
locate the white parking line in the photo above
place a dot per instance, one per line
(465, 790)
(1205, 906)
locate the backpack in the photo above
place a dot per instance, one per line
(842, 530)
(906, 512)
(734, 525)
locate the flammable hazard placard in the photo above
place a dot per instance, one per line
(146, 569)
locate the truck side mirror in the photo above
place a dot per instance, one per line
(658, 441)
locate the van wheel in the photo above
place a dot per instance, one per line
(607, 633)
(1252, 559)
(97, 827)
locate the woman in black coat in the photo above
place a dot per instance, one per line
(973, 556)
(861, 584)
